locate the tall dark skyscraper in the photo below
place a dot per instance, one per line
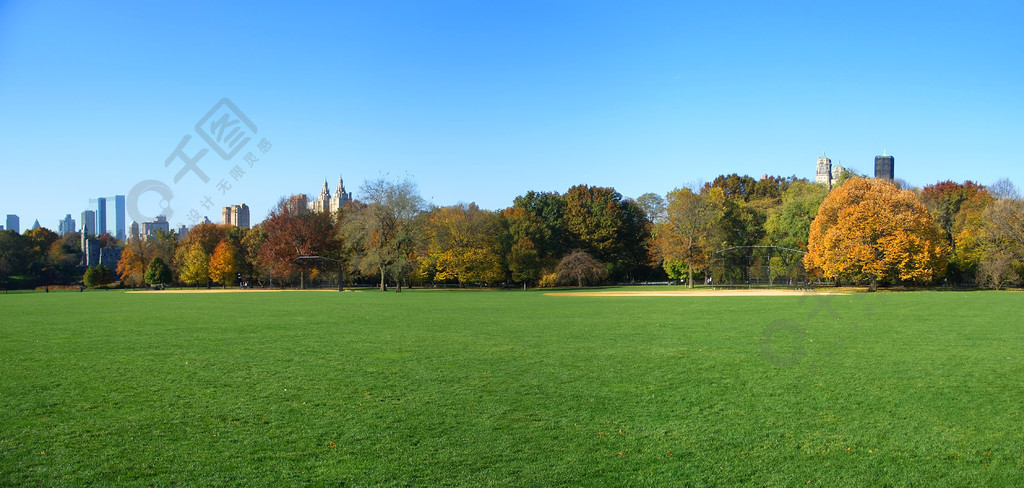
(885, 166)
(119, 228)
(101, 215)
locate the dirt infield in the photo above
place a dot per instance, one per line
(693, 293)
(226, 290)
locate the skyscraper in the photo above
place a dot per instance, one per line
(88, 222)
(240, 216)
(101, 215)
(14, 223)
(119, 227)
(885, 167)
(66, 226)
(236, 215)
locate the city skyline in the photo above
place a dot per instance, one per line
(484, 103)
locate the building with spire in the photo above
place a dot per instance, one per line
(325, 202)
(341, 197)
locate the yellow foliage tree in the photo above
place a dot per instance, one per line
(224, 263)
(869, 230)
(195, 266)
(462, 244)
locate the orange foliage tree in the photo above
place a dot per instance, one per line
(224, 263)
(869, 230)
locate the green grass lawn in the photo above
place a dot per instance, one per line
(510, 388)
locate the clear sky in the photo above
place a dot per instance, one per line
(482, 101)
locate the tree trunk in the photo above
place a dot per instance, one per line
(383, 287)
(689, 276)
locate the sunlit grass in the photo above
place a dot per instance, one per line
(478, 388)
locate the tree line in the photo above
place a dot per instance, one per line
(866, 231)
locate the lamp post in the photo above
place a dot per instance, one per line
(341, 281)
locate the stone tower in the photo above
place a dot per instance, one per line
(341, 197)
(823, 174)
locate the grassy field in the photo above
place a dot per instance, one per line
(510, 388)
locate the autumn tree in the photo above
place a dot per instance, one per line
(689, 232)
(869, 230)
(292, 232)
(192, 255)
(135, 259)
(251, 265)
(462, 244)
(63, 257)
(383, 228)
(224, 263)
(1003, 257)
(581, 268)
(194, 266)
(957, 208)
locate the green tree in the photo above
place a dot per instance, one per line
(97, 276)
(521, 230)
(789, 224)
(13, 256)
(551, 240)
(158, 273)
(524, 262)
(609, 227)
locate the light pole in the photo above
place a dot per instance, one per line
(341, 281)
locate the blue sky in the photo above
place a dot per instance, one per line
(483, 101)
